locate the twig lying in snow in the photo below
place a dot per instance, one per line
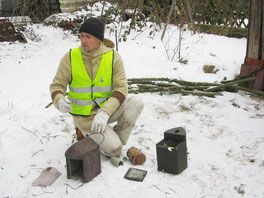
(74, 188)
(35, 153)
(4, 131)
(30, 132)
(33, 134)
(29, 194)
(35, 195)
(48, 105)
(160, 189)
(25, 175)
(174, 192)
(53, 136)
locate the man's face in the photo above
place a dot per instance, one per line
(89, 42)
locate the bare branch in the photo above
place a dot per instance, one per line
(4, 131)
(33, 134)
(35, 153)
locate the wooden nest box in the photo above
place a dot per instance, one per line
(83, 160)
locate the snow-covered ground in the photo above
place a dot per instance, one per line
(225, 136)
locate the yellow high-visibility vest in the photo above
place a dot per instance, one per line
(83, 92)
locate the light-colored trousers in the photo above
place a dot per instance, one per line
(113, 138)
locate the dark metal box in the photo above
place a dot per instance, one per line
(172, 151)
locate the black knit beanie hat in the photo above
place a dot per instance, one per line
(93, 26)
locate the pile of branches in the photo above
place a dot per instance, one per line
(175, 86)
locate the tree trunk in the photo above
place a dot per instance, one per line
(168, 19)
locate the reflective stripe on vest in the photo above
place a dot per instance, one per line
(84, 93)
(89, 89)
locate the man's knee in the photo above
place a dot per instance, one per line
(116, 151)
(113, 151)
(136, 102)
(111, 145)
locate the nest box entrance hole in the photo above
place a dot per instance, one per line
(75, 169)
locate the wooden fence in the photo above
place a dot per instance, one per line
(35, 9)
(232, 13)
(222, 17)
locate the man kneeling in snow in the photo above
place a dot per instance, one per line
(98, 90)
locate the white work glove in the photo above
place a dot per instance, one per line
(99, 122)
(65, 105)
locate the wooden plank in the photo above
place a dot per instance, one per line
(251, 68)
(244, 73)
(255, 29)
(244, 70)
(259, 81)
